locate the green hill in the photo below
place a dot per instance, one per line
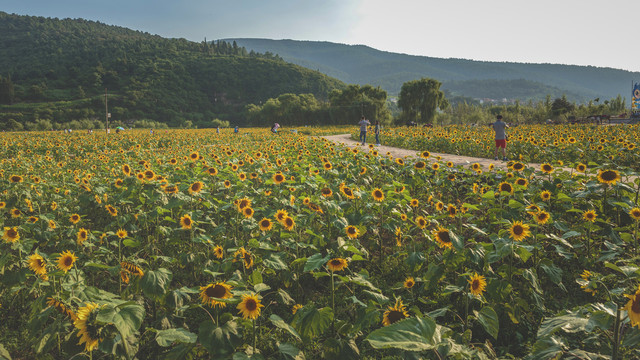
(364, 65)
(57, 70)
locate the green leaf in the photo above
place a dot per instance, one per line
(290, 352)
(280, 323)
(255, 277)
(126, 317)
(4, 354)
(274, 261)
(311, 322)
(167, 337)
(488, 318)
(572, 322)
(315, 262)
(547, 348)
(219, 340)
(413, 334)
(155, 283)
(533, 280)
(261, 287)
(130, 243)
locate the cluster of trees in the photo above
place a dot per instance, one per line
(58, 70)
(344, 106)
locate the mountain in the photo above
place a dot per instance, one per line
(57, 70)
(361, 64)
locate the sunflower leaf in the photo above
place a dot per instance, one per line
(413, 334)
(219, 340)
(315, 262)
(488, 318)
(167, 337)
(311, 322)
(155, 283)
(280, 323)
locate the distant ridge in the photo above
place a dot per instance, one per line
(362, 64)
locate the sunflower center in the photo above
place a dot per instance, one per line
(336, 262)
(68, 261)
(475, 284)
(251, 305)
(635, 306)
(394, 316)
(518, 230)
(217, 291)
(444, 236)
(609, 175)
(12, 233)
(187, 221)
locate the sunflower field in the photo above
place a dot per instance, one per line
(530, 143)
(192, 244)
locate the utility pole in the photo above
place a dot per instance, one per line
(106, 110)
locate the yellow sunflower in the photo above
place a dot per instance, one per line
(546, 168)
(505, 187)
(278, 178)
(477, 284)
(121, 233)
(132, 268)
(11, 234)
(75, 218)
(196, 187)
(519, 231)
(88, 329)
(443, 238)
(211, 292)
(545, 195)
(218, 251)
(38, 265)
(635, 213)
(633, 308)
(326, 192)
(409, 282)
(281, 215)
(186, 222)
(352, 231)
(542, 217)
(66, 261)
(113, 211)
(589, 215)
(377, 194)
(337, 264)
(421, 222)
(288, 223)
(608, 176)
(394, 313)
(249, 307)
(247, 212)
(265, 224)
(82, 236)
(414, 202)
(581, 167)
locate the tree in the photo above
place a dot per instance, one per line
(420, 99)
(561, 106)
(7, 93)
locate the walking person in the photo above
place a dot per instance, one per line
(363, 129)
(501, 137)
(376, 131)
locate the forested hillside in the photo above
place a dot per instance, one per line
(56, 71)
(364, 65)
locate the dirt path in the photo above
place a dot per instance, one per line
(401, 153)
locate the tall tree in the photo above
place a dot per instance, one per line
(7, 93)
(420, 99)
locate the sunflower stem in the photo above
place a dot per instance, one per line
(254, 335)
(616, 335)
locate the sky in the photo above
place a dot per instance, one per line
(535, 31)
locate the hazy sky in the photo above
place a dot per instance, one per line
(593, 33)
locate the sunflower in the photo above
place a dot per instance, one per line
(519, 231)
(589, 215)
(11, 234)
(522, 182)
(218, 251)
(633, 308)
(186, 222)
(82, 236)
(608, 176)
(61, 307)
(452, 210)
(440, 206)
(52, 224)
(545, 195)
(38, 265)
(409, 282)
(218, 290)
(421, 222)
(352, 231)
(212, 171)
(477, 284)
(542, 217)
(399, 161)
(506, 187)
(194, 156)
(171, 189)
(414, 202)
(132, 268)
(581, 167)
(419, 165)
(546, 168)
(249, 307)
(337, 264)
(326, 192)
(435, 166)
(281, 215)
(15, 178)
(347, 192)
(288, 223)
(635, 213)
(243, 203)
(126, 169)
(265, 224)
(295, 308)
(121, 233)
(227, 184)
(278, 178)
(532, 209)
(377, 194)
(113, 211)
(399, 189)
(395, 313)
(196, 187)
(88, 329)
(2, 204)
(517, 166)
(425, 154)
(586, 284)
(247, 212)
(442, 237)
(75, 218)
(66, 260)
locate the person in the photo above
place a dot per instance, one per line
(236, 129)
(274, 128)
(376, 130)
(501, 137)
(218, 129)
(363, 129)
